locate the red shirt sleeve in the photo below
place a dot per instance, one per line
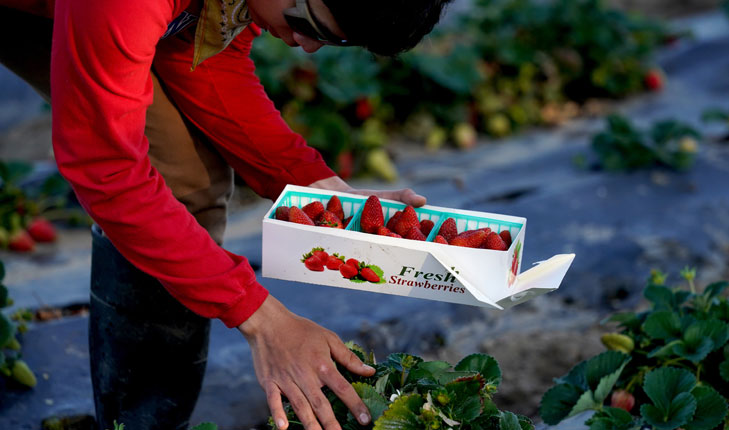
(224, 98)
(101, 87)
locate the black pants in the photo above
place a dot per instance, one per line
(148, 352)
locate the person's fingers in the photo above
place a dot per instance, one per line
(319, 403)
(302, 407)
(275, 405)
(346, 393)
(347, 358)
(406, 195)
(308, 44)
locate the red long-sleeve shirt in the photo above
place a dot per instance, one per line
(101, 87)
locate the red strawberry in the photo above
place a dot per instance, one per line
(414, 234)
(314, 263)
(334, 262)
(21, 241)
(383, 231)
(299, 217)
(494, 241)
(506, 237)
(282, 213)
(335, 206)
(345, 164)
(440, 239)
(622, 399)
(448, 229)
(469, 239)
(348, 271)
(370, 275)
(321, 255)
(313, 209)
(372, 217)
(654, 80)
(408, 220)
(353, 262)
(426, 226)
(328, 219)
(346, 221)
(41, 230)
(394, 235)
(363, 108)
(486, 229)
(393, 220)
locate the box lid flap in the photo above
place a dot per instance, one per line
(546, 276)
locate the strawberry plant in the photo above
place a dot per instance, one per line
(409, 393)
(667, 367)
(11, 364)
(622, 146)
(27, 206)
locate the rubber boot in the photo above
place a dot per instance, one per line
(148, 352)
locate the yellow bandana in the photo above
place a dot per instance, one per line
(220, 22)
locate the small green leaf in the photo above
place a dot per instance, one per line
(446, 377)
(711, 409)
(665, 350)
(484, 364)
(664, 325)
(680, 412)
(558, 401)
(7, 330)
(610, 418)
(402, 414)
(695, 345)
(371, 398)
(724, 369)
(586, 402)
(205, 426)
(576, 376)
(660, 296)
(714, 290)
(428, 370)
(381, 384)
(3, 296)
(509, 421)
(607, 382)
(628, 320)
(465, 403)
(604, 364)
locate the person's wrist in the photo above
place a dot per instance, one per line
(332, 183)
(258, 320)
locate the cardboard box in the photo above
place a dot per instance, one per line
(423, 269)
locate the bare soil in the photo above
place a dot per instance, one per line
(666, 8)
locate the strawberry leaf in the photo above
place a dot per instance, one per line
(484, 364)
(205, 426)
(669, 389)
(664, 325)
(661, 297)
(465, 404)
(402, 414)
(3, 296)
(611, 419)
(724, 369)
(712, 290)
(7, 330)
(558, 401)
(376, 404)
(509, 421)
(711, 409)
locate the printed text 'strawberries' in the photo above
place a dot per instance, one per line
(372, 217)
(313, 209)
(41, 230)
(448, 229)
(494, 241)
(335, 206)
(369, 275)
(298, 216)
(282, 213)
(348, 271)
(622, 399)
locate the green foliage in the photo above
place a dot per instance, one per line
(677, 373)
(623, 147)
(408, 393)
(506, 64)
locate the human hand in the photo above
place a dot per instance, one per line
(294, 357)
(406, 195)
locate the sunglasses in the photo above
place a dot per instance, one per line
(302, 21)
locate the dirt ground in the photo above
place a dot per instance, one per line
(666, 8)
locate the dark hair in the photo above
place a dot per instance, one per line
(386, 27)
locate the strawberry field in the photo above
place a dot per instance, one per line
(612, 144)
